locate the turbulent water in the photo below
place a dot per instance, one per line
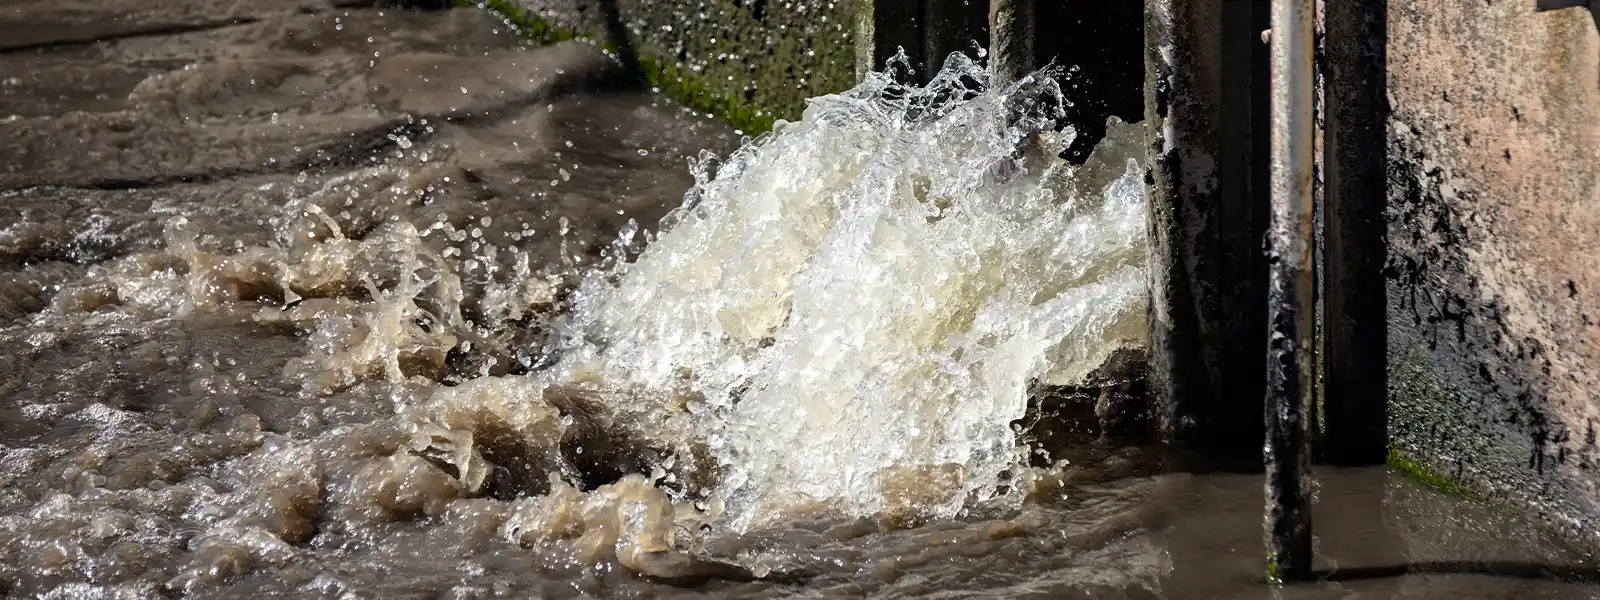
(351, 302)
(859, 303)
(843, 319)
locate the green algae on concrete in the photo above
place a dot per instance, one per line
(747, 63)
(522, 21)
(1421, 474)
(688, 90)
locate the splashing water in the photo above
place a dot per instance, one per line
(859, 302)
(844, 318)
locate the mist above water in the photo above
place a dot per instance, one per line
(853, 308)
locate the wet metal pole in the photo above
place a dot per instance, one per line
(1291, 360)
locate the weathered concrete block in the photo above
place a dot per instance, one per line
(759, 59)
(1494, 250)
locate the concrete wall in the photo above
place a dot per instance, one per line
(747, 61)
(1494, 250)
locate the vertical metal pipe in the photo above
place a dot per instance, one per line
(1011, 25)
(1355, 399)
(1291, 353)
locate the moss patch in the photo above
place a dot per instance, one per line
(668, 78)
(522, 21)
(694, 93)
(1274, 578)
(1423, 475)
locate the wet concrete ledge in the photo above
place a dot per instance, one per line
(747, 62)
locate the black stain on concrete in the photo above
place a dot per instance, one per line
(1487, 414)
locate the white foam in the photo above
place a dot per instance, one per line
(873, 289)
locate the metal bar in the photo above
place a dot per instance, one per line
(1291, 353)
(1011, 25)
(1205, 107)
(1355, 325)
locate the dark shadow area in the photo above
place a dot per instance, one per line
(757, 8)
(1105, 410)
(1100, 47)
(617, 34)
(949, 28)
(1350, 244)
(1213, 462)
(1512, 570)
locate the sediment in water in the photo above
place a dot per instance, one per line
(843, 320)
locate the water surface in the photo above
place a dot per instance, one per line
(353, 302)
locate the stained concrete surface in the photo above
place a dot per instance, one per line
(1494, 234)
(770, 56)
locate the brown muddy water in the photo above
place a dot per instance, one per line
(304, 300)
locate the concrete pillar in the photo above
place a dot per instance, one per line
(1011, 48)
(1206, 118)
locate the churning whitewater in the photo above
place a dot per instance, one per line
(858, 303)
(412, 350)
(336, 299)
